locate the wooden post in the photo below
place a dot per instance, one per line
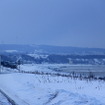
(0, 64)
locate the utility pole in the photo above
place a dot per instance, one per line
(0, 64)
(18, 63)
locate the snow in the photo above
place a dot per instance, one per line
(31, 89)
(36, 67)
(97, 70)
(11, 51)
(38, 56)
(34, 89)
(48, 67)
(3, 100)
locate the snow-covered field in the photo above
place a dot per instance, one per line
(3, 100)
(33, 89)
(97, 70)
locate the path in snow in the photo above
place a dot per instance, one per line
(3, 100)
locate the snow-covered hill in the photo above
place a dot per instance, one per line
(46, 49)
(51, 54)
(53, 59)
(31, 89)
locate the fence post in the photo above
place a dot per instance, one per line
(0, 64)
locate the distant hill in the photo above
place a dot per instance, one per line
(46, 49)
(51, 54)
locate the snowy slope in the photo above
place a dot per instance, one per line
(31, 89)
(3, 100)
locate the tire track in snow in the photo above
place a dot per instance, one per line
(8, 98)
(11, 101)
(52, 97)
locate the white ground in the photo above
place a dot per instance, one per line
(63, 67)
(31, 89)
(3, 100)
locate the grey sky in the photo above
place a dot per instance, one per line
(53, 22)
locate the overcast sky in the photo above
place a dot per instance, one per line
(53, 22)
